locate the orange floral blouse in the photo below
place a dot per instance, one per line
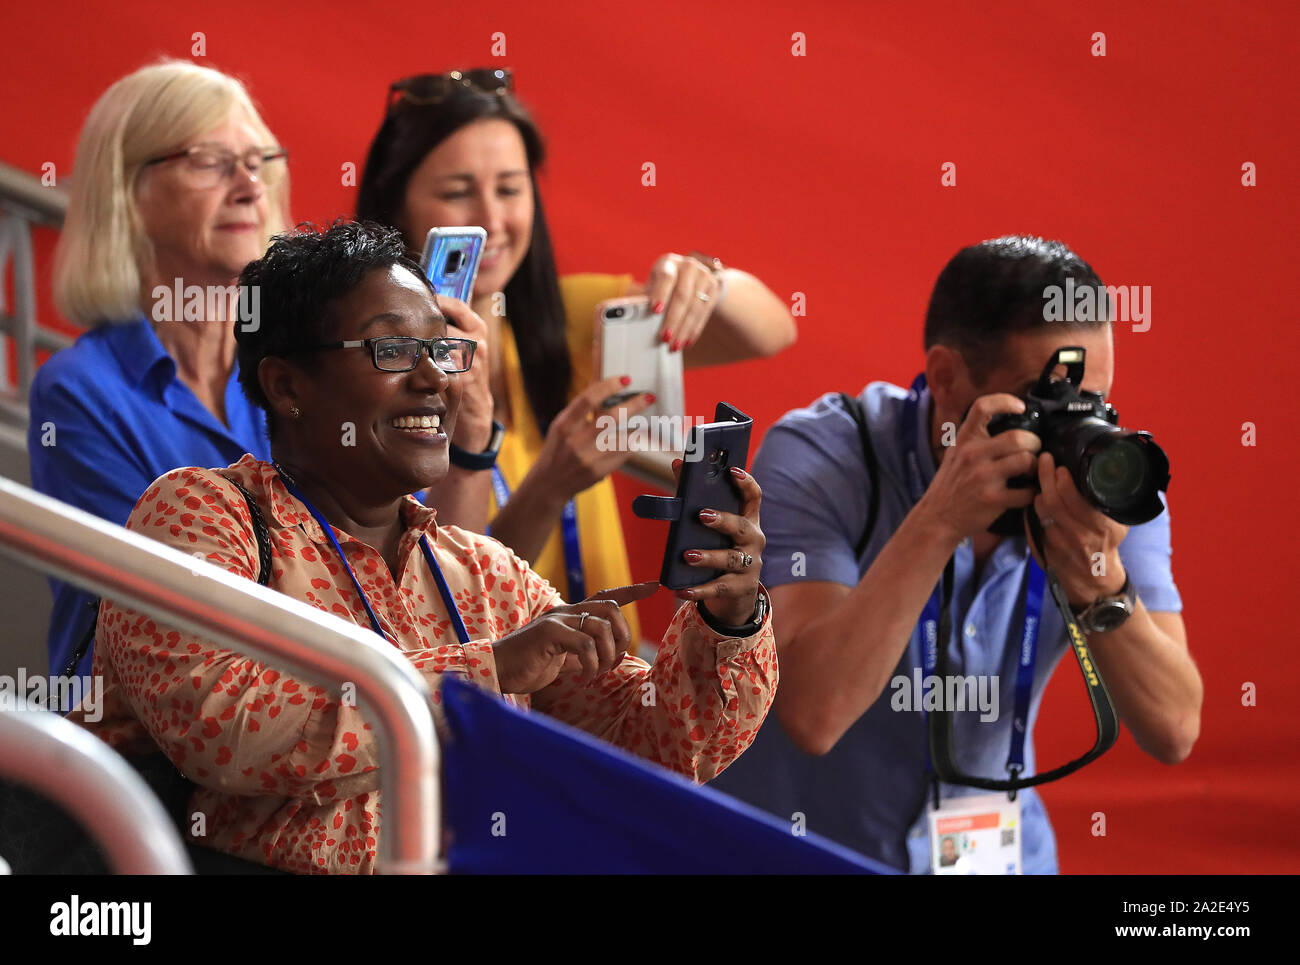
(287, 773)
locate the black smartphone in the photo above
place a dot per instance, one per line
(705, 483)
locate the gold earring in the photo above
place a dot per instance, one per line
(293, 411)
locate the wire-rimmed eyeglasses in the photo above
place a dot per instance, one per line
(211, 164)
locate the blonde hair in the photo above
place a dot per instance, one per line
(103, 247)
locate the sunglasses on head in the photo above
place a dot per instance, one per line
(423, 89)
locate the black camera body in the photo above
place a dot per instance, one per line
(1121, 472)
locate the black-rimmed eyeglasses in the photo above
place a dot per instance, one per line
(401, 353)
(431, 88)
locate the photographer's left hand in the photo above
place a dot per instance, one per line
(1074, 533)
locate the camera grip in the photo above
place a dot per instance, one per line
(1009, 420)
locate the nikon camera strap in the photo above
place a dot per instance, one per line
(1103, 709)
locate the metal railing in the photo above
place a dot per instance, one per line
(314, 646)
(96, 786)
(25, 202)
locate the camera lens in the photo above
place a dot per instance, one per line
(1118, 473)
(454, 261)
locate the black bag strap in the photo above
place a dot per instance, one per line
(263, 575)
(854, 409)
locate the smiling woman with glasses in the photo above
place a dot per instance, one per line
(287, 772)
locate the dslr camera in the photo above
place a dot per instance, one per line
(1119, 471)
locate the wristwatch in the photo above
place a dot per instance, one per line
(479, 460)
(1108, 612)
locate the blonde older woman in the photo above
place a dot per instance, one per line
(178, 183)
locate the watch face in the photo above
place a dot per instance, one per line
(1108, 616)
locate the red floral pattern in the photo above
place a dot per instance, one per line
(287, 772)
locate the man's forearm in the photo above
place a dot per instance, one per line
(834, 668)
(1154, 683)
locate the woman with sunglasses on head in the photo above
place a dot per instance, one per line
(178, 184)
(459, 149)
(286, 771)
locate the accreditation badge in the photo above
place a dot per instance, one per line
(977, 835)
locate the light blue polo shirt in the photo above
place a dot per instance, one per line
(869, 792)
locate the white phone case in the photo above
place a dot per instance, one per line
(628, 343)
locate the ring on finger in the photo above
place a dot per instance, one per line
(704, 296)
(583, 620)
(745, 561)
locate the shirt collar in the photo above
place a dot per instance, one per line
(913, 432)
(138, 351)
(924, 454)
(289, 511)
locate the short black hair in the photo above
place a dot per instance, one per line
(997, 288)
(298, 281)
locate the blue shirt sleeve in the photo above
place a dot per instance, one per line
(76, 456)
(1147, 557)
(815, 492)
(78, 459)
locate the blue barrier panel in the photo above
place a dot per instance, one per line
(526, 794)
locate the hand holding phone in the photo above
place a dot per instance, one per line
(716, 556)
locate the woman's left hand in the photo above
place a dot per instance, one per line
(731, 598)
(686, 291)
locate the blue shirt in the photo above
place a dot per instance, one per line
(108, 417)
(869, 792)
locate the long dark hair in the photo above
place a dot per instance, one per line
(409, 132)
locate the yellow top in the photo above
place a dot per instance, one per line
(600, 530)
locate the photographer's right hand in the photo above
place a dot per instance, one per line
(571, 460)
(589, 637)
(969, 490)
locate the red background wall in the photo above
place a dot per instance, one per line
(822, 175)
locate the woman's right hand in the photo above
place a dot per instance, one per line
(590, 637)
(572, 458)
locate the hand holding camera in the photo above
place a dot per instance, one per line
(971, 487)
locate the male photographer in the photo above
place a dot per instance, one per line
(843, 755)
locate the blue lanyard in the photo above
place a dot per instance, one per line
(569, 530)
(909, 428)
(462, 634)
